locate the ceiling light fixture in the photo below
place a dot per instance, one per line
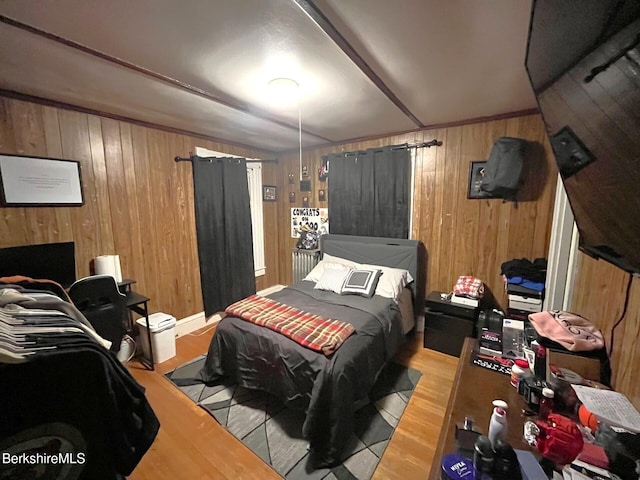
(284, 89)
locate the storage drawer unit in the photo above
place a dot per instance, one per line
(436, 303)
(446, 333)
(447, 324)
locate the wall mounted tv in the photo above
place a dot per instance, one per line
(583, 61)
(51, 261)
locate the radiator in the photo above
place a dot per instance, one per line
(303, 262)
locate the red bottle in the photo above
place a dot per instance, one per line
(540, 364)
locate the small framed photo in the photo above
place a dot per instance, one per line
(305, 201)
(305, 185)
(476, 174)
(269, 193)
(292, 197)
(322, 196)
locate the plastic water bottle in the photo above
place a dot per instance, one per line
(498, 422)
(546, 403)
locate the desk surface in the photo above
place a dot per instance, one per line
(134, 298)
(473, 392)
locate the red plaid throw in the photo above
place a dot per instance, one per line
(312, 331)
(469, 287)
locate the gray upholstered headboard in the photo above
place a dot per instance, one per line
(388, 252)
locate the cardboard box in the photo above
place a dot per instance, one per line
(490, 342)
(471, 302)
(527, 304)
(512, 338)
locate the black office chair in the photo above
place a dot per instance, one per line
(101, 302)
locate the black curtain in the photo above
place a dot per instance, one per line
(223, 226)
(369, 192)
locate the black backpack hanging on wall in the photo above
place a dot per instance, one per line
(501, 177)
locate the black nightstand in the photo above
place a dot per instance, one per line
(447, 324)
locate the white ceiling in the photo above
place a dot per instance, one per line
(203, 65)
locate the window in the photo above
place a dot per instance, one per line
(254, 179)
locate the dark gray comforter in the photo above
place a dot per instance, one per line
(328, 389)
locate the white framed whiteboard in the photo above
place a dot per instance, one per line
(39, 181)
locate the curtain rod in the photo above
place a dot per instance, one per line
(432, 143)
(193, 157)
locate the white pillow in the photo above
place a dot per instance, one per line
(333, 277)
(342, 261)
(315, 274)
(390, 284)
(392, 281)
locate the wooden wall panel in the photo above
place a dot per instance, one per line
(139, 205)
(138, 200)
(53, 148)
(599, 295)
(462, 236)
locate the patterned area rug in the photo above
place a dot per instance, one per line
(274, 432)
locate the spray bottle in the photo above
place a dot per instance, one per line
(498, 423)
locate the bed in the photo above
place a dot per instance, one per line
(328, 388)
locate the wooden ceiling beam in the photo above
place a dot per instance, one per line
(312, 10)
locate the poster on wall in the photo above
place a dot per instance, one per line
(316, 219)
(33, 181)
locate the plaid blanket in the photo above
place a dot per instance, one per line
(312, 331)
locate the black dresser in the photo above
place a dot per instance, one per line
(447, 324)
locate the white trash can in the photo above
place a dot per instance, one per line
(163, 337)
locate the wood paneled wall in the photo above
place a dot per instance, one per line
(599, 294)
(139, 205)
(462, 236)
(138, 200)
(465, 236)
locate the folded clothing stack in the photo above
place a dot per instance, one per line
(524, 283)
(468, 290)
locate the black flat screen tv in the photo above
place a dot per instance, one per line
(583, 61)
(51, 261)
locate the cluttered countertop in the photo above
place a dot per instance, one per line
(531, 400)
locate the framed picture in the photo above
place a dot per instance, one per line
(292, 197)
(476, 173)
(322, 195)
(39, 182)
(305, 185)
(269, 193)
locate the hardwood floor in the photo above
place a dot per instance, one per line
(192, 445)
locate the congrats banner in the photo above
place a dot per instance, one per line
(315, 219)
